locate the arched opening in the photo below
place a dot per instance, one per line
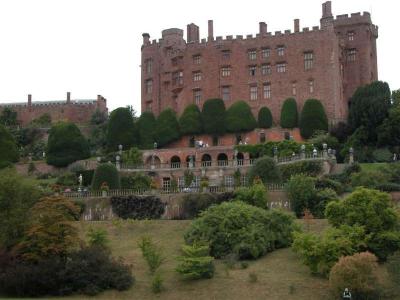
(190, 161)
(175, 162)
(252, 158)
(222, 159)
(240, 159)
(153, 161)
(206, 160)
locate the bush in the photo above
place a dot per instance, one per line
(358, 273)
(213, 116)
(194, 203)
(167, 128)
(138, 207)
(388, 187)
(239, 118)
(255, 195)
(289, 114)
(308, 168)
(121, 129)
(8, 148)
(146, 125)
(241, 229)
(323, 197)
(312, 118)
(327, 183)
(66, 144)
(372, 210)
(382, 155)
(190, 121)
(266, 169)
(139, 181)
(107, 173)
(151, 253)
(97, 237)
(67, 179)
(264, 118)
(369, 178)
(157, 284)
(285, 148)
(195, 262)
(302, 193)
(133, 157)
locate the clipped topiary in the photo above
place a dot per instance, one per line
(239, 118)
(190, 121)
(264, 118)
(138, 207)
(121, 129)
(106, 173)
(213, 115)
(289, 115)
(313, 118)
(146, 126)
(167, 127)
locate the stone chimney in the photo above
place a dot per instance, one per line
(146, 38)
(263, 28)
(327, 9)
(29, 102)
(296, 25)
(68, 97)
(193, 33)
(210, 30)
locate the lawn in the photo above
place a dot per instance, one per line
(372, 166)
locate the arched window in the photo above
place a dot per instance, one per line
(222, 159)
(240, 159)
(175, 162)
(206, 160)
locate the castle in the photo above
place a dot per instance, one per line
(327, 62)
(76, 111)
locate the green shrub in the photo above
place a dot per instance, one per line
(87, 176)
(302, 193)
(157, 284)
(393, 267)
(139, 181)
(241, 229)
(194, 203)
(372, 210)
(146, 125)
(121, 129)
(67, 179)
(382, 155)
(325, 183)
(97, 237)
(369, 178)
(388, 187)
(255, 195)
(289, 114)
(151, 253)
(167, 128)
(323, 197)
(266, 169)
(133, 157)
(285, 148)
(196, 263)
(107, 173)
(66, 144)
(138, 207)
(239, 118)
(359, 273)
(264, 118)
(8, 148)
(312, 118)
(308, 168)
(190, 121)
(213, 116)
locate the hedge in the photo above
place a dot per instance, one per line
(213, 115)
(239, 118)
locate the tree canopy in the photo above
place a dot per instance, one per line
(213, 115)
(190, 121)
(8, 148)
(107, 174)
(239, 118)
(146, 125)
(66, 144)
(266, 169)
(8, 117)
(121, 129)
(289, 115)
(167, 127)
(313, 118)
(264, 118)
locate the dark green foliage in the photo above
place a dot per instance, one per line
(190, 121)
(87, 176)
(67, 179)
(241, 229)
(120, 129)
(97, 237)
(312, 118)
(289, 115)
(8, 117)
(107, 173)
(167, 128)
(98, 118)
(285, 148)
(266, 169)
(138, 207)
(369, 108)
(389, 131)
(325, 183)
(340, 131)
(157, 284)
(388, 187)
(146, 127)
(138, 181)
(255, 195)
(239, 118)
(265, 118)
(195, 263)
(66, 144)
(382, 155)
(194, 203)
(8, 147)
(369, 178)
(151, 253)
(308, 168)
(213, 116)
(133, 157)
(372, 210)
(43, 121)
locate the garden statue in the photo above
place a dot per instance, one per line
(346, 294)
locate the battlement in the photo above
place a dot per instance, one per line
(354, 18)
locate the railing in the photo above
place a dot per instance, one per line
(222, 163)
(175, 165)
(206, 163)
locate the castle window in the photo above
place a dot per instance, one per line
(267, 90)
(266, 69)
(350, 35)
(265, 53)
(196, 59)
(226, 54)
(177, 77)
(311, 86)
(226, 71)
(149, 66)
(308, 60)
(226, 93)
(149, 86)
(253, 92)
(197, 96)
(149, 106)
(281, 67)
(280, 50)
(252, 54)
(351, 54)
(294, 90)
(196, 76)
(252, 70)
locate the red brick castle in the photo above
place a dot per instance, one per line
(327, 62)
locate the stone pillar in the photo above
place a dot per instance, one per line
(263, 28)
(276, 154)
(118, 162)
(210, 30)
(303, 152)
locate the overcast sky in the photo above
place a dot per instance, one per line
(90, 47)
